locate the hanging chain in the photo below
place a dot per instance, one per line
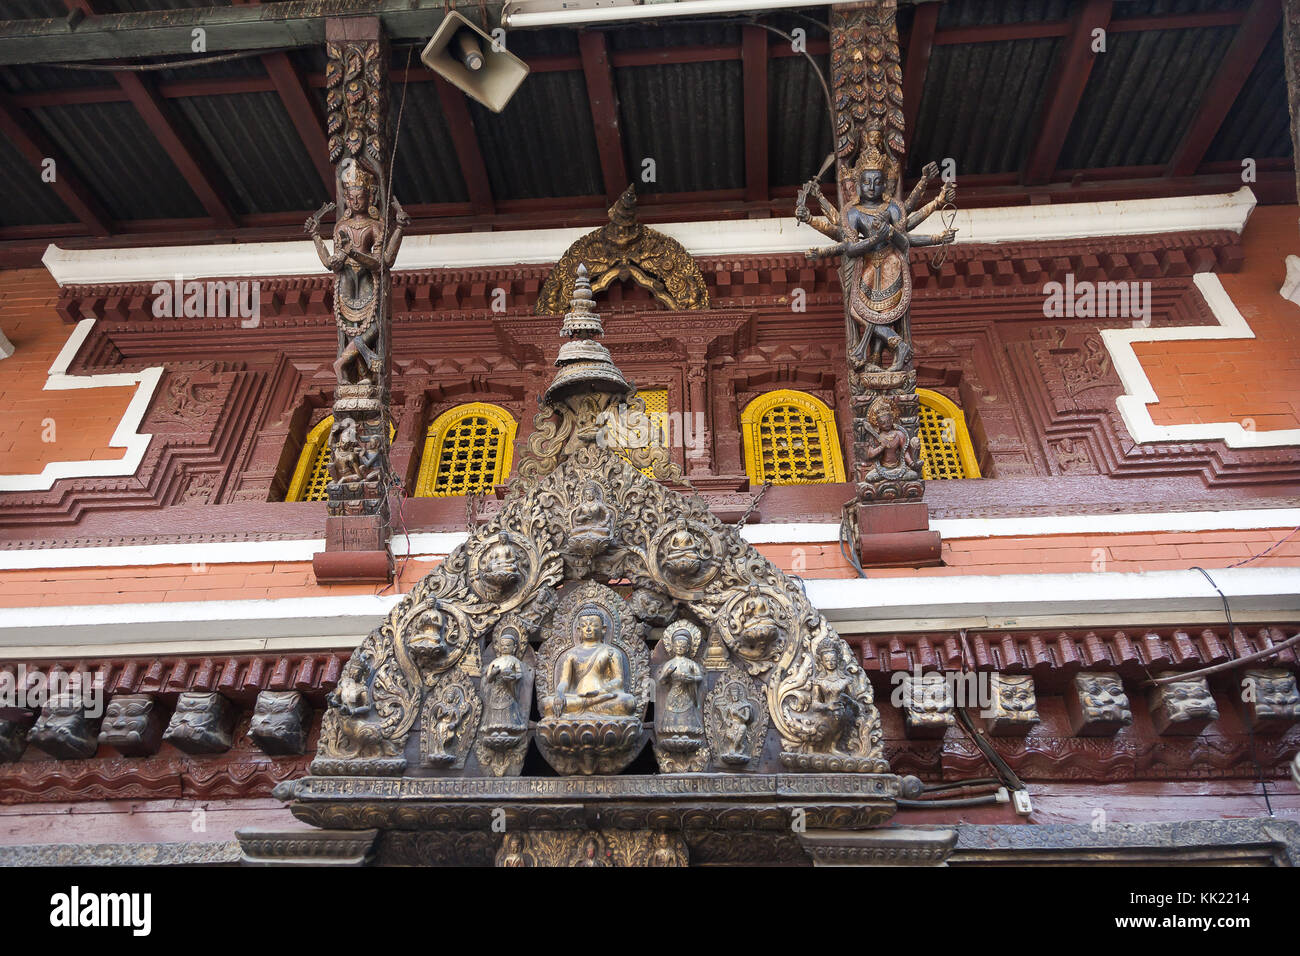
(752, 505)
(471, 516)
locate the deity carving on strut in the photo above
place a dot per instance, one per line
(890, 453)
(874, 235)
(360, 254)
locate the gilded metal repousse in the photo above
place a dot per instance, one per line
(594, 562)
(625, 249)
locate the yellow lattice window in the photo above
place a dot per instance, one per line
(946, 449)
(790, 439)
(313, 471)
(656, 409)
(467, 450)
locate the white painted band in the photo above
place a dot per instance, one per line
(432, 544)
(853, 606)
(731, 237)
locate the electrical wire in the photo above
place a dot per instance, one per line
(166, 65)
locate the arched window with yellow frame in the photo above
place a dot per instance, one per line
(467, 450)
(946, 448)
(790, 439)
(313, 471)
(656, 409)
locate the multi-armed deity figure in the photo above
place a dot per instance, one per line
(360, 255)
(874, 234)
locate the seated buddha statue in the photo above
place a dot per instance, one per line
(684, 557)
(592, 522)
(501, 566)
(591, 676)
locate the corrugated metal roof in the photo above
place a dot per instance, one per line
(118, 158)
(688, 118)
(1142, 96)
(1259, 124)
(974, 13)
(30, 79)
(29, 201)
(550, 109)
(980, 103)
(426, 170)
(798, 125)
(1131, 9)
(252, 140)
(32, 9)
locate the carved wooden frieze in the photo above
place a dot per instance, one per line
(201, 724)
(133, 725)
(592, 848)
(927, 705)
(13, 737)
(1184, 707)
(1097, 704)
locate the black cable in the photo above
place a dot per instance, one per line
(960, 802)
(958, 784)
(1254, 757)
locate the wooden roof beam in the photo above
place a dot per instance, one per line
(754, 72)
(919, 44)
(464, 139)
(1069, 79)
(301, 107)
(1248, 44)
(187, 158)
(603, 96)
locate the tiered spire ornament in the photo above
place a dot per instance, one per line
(583, 361)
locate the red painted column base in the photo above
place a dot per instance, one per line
(896, 534)
(356, 551)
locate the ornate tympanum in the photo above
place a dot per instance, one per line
(64, 731)
(132, 725)
(201, 724)
(280, 722)
(594, 562)
(1097, 704)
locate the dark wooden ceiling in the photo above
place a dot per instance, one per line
(732, 117)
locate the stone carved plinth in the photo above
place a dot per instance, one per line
(305, 846)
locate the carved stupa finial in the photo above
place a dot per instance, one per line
(623, 213)
(583, 361)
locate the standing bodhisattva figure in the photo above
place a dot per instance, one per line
(360, 254)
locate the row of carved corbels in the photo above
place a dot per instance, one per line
(965, 266)
(1133, 653)
(67, 728)
(1096, 701)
